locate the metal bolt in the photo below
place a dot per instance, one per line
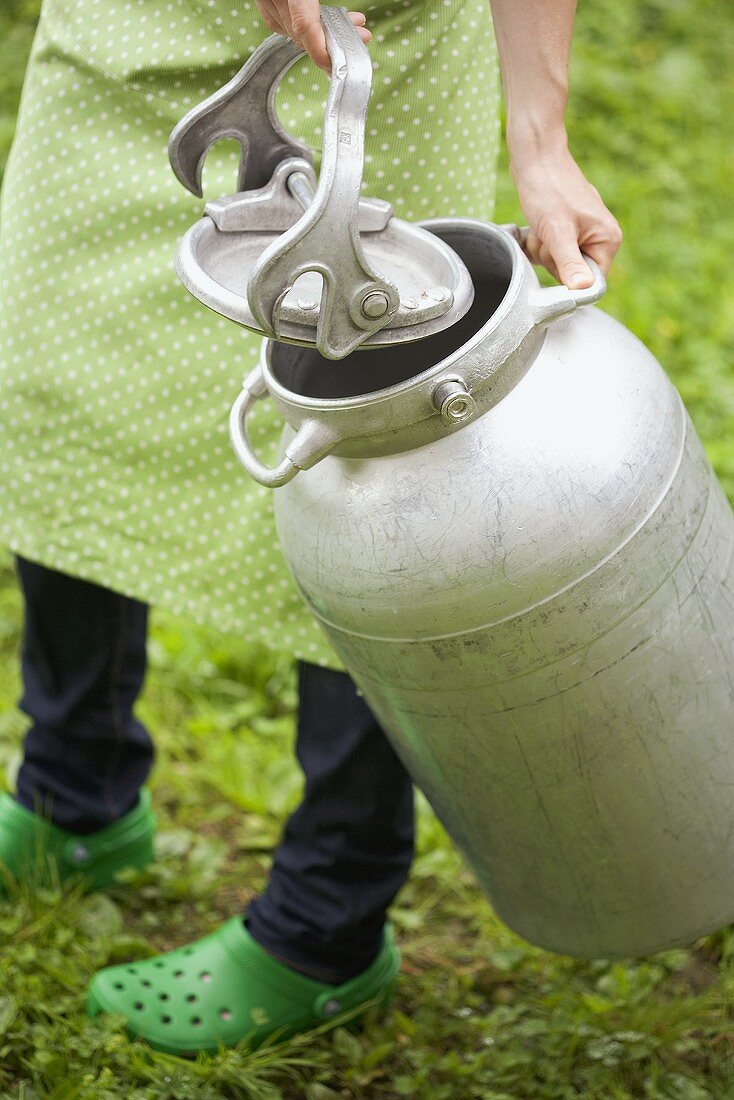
(375, 305)
(301, 188)
(453, 401)
(332, 1007)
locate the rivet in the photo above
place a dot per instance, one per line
(306, 303)
(332, 1007)
(375, 305)
(437, 293)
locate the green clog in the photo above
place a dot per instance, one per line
(225, 988)
(31, 847)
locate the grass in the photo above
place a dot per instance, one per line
(479, 1013)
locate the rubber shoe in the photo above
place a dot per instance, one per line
(32, 848)
(226, 988)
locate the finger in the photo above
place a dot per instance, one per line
(270, 17)
(305, 18)
(276, 16)
(604, 251)
(561, 240)
(545, 259)
(284, 14)
(531, 247)
(359, 21)
(537, 253)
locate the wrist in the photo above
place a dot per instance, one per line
(532, 140)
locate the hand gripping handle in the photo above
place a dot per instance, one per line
(550, 303)
(553, 302)
(312, 441)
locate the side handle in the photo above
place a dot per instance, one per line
(312, 442)
(550, 303)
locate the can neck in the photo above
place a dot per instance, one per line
(391, 400)
(398, 398)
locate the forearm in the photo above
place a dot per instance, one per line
(565, 212)
(534, 43)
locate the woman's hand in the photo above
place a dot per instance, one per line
(301, 21)
(566, 215)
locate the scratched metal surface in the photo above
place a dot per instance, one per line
(539, 607)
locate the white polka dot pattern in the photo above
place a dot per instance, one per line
(115, 385)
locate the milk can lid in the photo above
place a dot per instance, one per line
(303, 260)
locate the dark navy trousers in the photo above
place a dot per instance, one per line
(346, 850)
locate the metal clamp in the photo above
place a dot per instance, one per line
(244, 109)
(356, 300)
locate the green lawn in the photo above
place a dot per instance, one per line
(479, 1013)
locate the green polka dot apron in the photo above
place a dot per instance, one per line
(115, 385)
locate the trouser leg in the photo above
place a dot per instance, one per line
(86, 756)
(348, 847)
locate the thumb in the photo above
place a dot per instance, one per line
(573, 271)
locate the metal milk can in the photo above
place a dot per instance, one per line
(512, 537)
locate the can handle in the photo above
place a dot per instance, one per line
(550, 303)
(312, 441)
(357, 299)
